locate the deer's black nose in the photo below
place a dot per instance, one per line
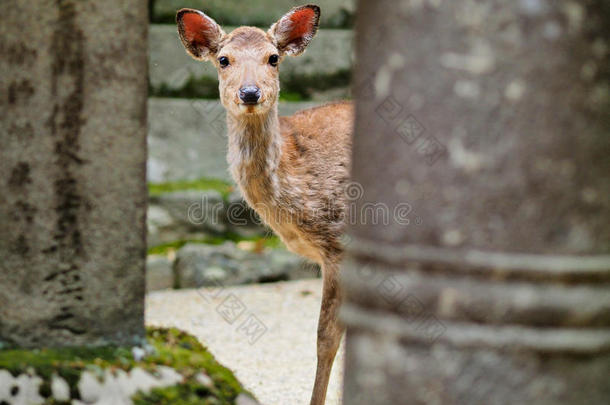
(250, 94)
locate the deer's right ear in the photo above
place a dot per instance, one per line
(200, 34)
(295, 30)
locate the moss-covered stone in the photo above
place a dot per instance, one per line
(68, 363)
(270, 242)
(183, 394)
(223, 187)
(172, 348)
(183, 352)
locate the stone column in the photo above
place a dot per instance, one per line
(487, 122)
(73, 192)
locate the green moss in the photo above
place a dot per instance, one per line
(173, 348)
(47, 361)
(291, 96)
(68, 363)
(223, 187)
(183, 394)
(273, 242)
(184, 353)
(165, 248)
(270, 242)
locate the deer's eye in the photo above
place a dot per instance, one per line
(274, 59)
(224, 61)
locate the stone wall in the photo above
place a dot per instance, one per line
(322, 72)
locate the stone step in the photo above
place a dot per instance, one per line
(200, 265)
(335, 13)
(187, 138)
(326, 64)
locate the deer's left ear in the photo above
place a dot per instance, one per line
(295, 30)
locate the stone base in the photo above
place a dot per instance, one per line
(172, 367)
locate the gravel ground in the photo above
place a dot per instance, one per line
(265, 333)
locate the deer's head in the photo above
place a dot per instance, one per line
(248, 58)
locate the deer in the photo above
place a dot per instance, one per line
(293, 171)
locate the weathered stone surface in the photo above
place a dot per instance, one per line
(490, 99)
(330, 53)
(187, 139)
(73, 191)
(335, 13)
(196, 214)
(21, 389)
(501, 294)
(118, 386)
(158, 222)
(60, 390)
(159, 273)
(244, 399)
(200, 265)
(204, 379)
(191, 211)
(241, 219)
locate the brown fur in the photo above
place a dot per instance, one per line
(292, 170)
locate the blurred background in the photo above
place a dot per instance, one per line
(193, 200)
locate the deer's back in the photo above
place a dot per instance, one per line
(316, 167)
(324, 130)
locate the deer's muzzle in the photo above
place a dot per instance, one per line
(250, 95)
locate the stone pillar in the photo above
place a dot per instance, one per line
(487, 121)
(73, 192)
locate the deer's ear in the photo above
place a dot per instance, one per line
(295, 30)
(200, 34)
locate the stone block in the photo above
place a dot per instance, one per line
(159, 273)
(199, 265)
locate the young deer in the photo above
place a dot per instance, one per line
(291, 170)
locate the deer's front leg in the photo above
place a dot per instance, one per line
(329, 332)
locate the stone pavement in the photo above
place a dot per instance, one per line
(265, 333)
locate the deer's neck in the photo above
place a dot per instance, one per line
(255, 148)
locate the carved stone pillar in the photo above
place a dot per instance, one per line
(73, 191)
(489, 121)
